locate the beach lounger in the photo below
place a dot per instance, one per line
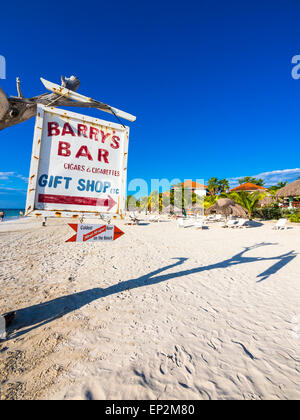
(133, 218)
(154, 219)
(180, 222)
(199, 224)
(229, 223)
(240, 224)
(133, 222)
(281, 224)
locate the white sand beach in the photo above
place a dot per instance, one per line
(161, 313)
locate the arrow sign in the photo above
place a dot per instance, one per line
(94, 233)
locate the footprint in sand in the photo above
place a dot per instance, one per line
(180, 358)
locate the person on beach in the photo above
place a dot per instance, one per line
(2, 214)
(21, 213)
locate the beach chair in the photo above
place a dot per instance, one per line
(133, 218)
(281, 224)
(180, 222)
(154, 218)
(240, 224)
(199, 224)
(230, 223)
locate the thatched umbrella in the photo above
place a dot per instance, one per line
(133, 208)
(266, 201)
(170, 209)
(227, 207)
(196, 208)
(290, 190)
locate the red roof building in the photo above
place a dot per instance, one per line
(248, 187)
(192, 185)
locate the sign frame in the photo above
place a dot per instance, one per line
(35, 160)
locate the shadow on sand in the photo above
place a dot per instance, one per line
(35, 316)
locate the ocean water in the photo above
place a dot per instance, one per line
(11, 214)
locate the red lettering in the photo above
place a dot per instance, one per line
(104, 136)
(82, 129)
(102, 153)
(64, 149)
(94, 133)
(115, 144)
(67, 130)
(84, 152)
(53, 129)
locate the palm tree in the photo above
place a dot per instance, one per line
(257, 181)
(209, 200)
(153, 201)
(177, 198)
(281, 184)
(246, 200)
(143, 203)
(131, 201)
(213, 185)
(277, 187)
(223, 185)
(217, 186)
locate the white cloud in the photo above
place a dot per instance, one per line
(3, 189)
(23, 178)
(282, 171)
(272, 177)
(6, 175)
(10, 176)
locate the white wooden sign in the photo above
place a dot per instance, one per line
(78, 165)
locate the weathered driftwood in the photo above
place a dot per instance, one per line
(17, 109)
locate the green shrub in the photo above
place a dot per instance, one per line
(295, 218)
(274, 212)
(269, 213)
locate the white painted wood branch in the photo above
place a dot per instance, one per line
(17, 109)
(67, 93)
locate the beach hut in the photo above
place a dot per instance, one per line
(291, 193)
(227, 207)
(266, 201)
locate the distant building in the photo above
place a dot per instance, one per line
(194, 187)
(248, 187)
(290, 195)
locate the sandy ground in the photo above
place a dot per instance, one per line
(161, 313)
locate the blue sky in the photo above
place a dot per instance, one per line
(209, 81)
